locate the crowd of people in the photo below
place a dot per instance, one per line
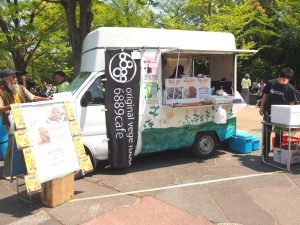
(59, 78)
(252, 92)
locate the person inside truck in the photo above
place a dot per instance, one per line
(276, 92)
(180, 72)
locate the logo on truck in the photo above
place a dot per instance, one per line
(126, 69)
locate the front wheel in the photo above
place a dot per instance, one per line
(205, 145)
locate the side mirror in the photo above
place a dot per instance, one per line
(86, 99)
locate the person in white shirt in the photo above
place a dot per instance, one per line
(246, 84)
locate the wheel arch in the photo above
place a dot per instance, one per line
(205, 144)
(89, 152)
(209, 132)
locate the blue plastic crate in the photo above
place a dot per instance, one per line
(255, 143)
(241, 142)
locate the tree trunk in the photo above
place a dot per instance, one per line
(77, 34)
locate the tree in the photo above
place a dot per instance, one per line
(252, 27)
(125, 13)
(78, 27)
(191, 14)
(288, 24)
(24, 26)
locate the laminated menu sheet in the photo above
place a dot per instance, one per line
(187, 90)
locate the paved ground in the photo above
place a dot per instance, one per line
(174, 188)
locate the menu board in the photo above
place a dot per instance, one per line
(151, 78)
(187, 90)
(50, 139)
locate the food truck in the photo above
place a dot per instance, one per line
(144, 90)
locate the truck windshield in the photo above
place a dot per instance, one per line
(78, 81)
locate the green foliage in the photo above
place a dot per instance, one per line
(35, 36)
(33, 33)
(252, 25)
(124, 13)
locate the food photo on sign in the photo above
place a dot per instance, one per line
(56, 115)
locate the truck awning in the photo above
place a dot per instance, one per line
(208, 52)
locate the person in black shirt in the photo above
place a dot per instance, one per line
(276, 92)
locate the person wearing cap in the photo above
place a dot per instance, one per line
(60, 79)
(246, 84)
(276, 92)
(11, 93)
(177, 72)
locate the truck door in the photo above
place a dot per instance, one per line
(92, 119)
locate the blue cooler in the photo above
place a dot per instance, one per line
(241, 142)
(3, 141)
(255, 143)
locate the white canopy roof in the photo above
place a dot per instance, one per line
(168, 41)
(128, 37)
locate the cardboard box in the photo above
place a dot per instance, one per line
(58, 191)
(285, 114)
(281, 156)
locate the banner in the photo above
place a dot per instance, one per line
(122, 91)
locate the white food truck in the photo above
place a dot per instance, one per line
(194, 109)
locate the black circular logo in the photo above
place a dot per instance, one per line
(125, 68)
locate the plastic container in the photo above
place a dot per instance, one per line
(3, 148)
(291, 114)
(3, 141)
(285, 140)
(3, 134)
(241, 142)
(255, 143)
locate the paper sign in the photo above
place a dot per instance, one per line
(22, 138)
(69, 110)
(136, 55)
(33, 183)
(18, 116)
(86, 164)
(29, 161)
(63, 96)
(187, 90)
(75, 129)
(79, 147)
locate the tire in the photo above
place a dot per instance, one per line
(205, 145)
